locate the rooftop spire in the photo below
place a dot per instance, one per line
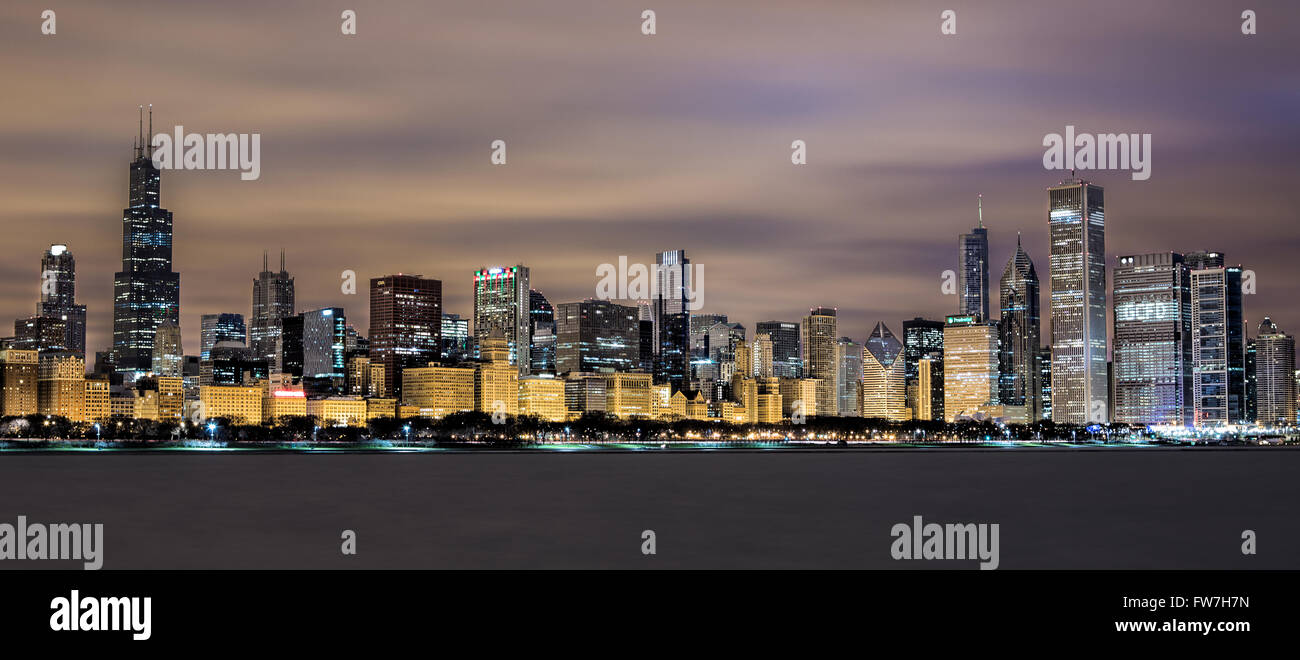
(980, 202)
(282, 269)
(139, 134)
(149, 136)
(265, 266)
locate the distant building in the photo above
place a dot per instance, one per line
(541, 352)
(168, 356)
(146, 291)
(1077, 228)
(970, 367)
(1153, 339)
(61, 385)
(973, 257)
(786, 359)
(405, 325)
(338, 410)
(1019, 334)
(324, 337)
(241, 404)
(596, 335)
(455, 339)
(921, 338)
(884, 377)
(496, 378)
(850, 367)
(40, 333)
(220, 327)
(503, 301)
(542, 397)
(58, 296)
(437, 391)
(1275, 374)
(273, 301)
(1218, 341)
(818, 337)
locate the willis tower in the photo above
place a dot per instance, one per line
(146, 292)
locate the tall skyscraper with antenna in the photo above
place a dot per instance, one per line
(146, 292)
(59, 296)
(973, 255)
(272, 303)
(1077, 226)
(1018, 349)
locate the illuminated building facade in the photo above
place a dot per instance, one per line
(1019, 334)
(59, 296)
(1275, 383)
(819, 335)
(884, 377)
(1153, 339)
(405, 325)
(970, 367)
(503, 301)
(220, 327)
(596, 335)
(273, 301)
(1218, 342)
(1077, 232)
(923, 337)
(146, 292)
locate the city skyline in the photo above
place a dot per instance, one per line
(886, 247)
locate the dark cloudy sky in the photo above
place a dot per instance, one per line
(375, 147)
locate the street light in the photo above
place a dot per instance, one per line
(212, 431)
(98, 435)
(407, 428)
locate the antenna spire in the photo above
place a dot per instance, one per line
(265, 265)
(282, 260)
(149, 135)
(139, 134)
(980, 203)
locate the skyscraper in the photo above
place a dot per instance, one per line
(405, 325)
(541, 332)
(59, 296)
(324, 332)
(1019, 332)
(503, 300)
(1077, 227)
(168, 358)
(596, 336)
(1275, 384)
(786, 362)
(849, 365)
(973, 257)
(41, 333)
(884, 376)
(970, 367)
(1218, 341)
(455, 338)
(146, 291)
(1153, 339)
(923, 337)
(220, 327)
(818, 335)
(672, 319)
(273, 300)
